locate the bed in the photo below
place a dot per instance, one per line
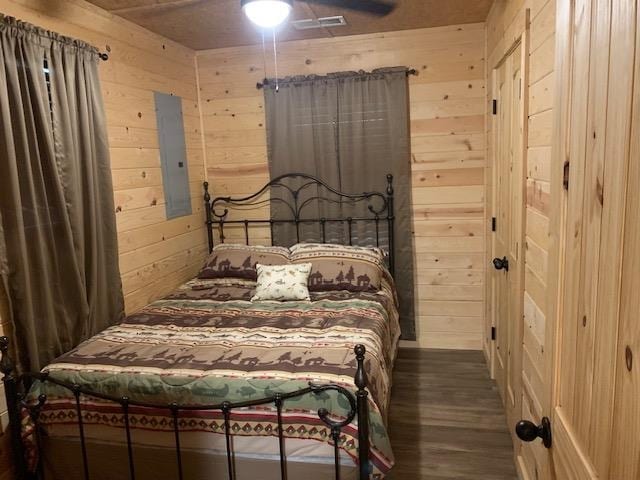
(205, 383)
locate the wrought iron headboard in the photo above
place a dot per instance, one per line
(379, 207)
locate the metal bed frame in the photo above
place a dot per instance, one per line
(17, 386)
(380, 206)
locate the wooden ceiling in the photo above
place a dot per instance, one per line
(205, 24)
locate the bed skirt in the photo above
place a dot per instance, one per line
(108, 461)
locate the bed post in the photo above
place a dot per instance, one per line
(10, 382)
(207, 209)
(390, 224)
(363, 414)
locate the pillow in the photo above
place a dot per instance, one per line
(340, 267)
(282, 282)
(375, 253)
(239, 261)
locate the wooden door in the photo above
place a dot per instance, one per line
(625, 462)
(501, 224)
(508, 234)
(591, 391)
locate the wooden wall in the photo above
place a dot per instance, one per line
(155, 254)
(505, 24)
(448, 151)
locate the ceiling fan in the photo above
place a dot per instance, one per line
(271, 13)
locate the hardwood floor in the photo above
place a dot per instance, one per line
(446, 419)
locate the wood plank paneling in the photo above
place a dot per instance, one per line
(542, 58)
(444, 228)
(626, 418)
(447, 102)
(202, 25)
(539, 163)
(541, 95)
(540, 129)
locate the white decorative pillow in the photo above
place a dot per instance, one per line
(282, 282)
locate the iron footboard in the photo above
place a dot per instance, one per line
(16, 387)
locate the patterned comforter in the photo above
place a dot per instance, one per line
(206, 342)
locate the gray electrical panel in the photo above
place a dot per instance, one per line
(173, 154)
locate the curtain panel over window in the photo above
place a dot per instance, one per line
(349, 129)
(58, 244)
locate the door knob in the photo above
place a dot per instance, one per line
(501, 263)
(528, 431)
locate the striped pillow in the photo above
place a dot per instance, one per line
(340, 267)
(239, 261)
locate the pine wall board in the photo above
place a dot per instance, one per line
(447, 108)
(155, 254)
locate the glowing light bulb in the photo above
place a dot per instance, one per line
(267, 13)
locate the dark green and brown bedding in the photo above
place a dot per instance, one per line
(207, 343)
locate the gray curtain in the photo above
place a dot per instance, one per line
(349, 129)
(58, 244)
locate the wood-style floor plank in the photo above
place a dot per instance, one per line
(446, 419)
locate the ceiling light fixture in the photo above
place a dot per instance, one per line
(267, 13)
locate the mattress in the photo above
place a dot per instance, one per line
(206, 343)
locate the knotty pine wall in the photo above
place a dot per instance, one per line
(505, 23)
(155, 254)
(447, 140)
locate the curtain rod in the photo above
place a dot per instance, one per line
(260, 85)
(13, 22)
